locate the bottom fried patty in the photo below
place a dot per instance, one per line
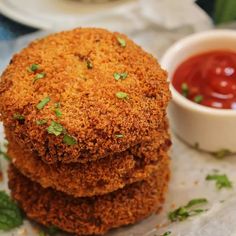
(90, 215)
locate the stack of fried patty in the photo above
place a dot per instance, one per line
(85, 117)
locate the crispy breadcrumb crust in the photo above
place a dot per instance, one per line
(87, 216)
(92, 178)
(91, 111)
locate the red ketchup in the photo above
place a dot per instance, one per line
(208, 79)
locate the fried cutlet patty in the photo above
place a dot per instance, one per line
(91, 178)
(95, 215)
(84, 93)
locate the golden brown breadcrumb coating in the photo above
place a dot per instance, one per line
(96, 215)
(106, 95)
(91, 178)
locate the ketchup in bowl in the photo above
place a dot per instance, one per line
(208, 79)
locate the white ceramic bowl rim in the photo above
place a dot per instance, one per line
(195, 38)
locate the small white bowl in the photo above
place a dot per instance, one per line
(209, 128)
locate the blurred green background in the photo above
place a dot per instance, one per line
(221, 11)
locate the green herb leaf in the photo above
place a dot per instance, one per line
(18, 116)
(89, 64)
(10, 214)
(121, 41)
(69, 140)
(39, 76)
(182, 213)
(53, 230)
(184, 89)
(42, 233)
(122, 95)
(58, 112)
(222, 153)
(41, 122)
(222, 181)
(119, 135)
(166, 233)
(198, 98)
(43, 103)
(120, 76)
(224, 11)
(33, 68)
(55, 128)
(5, 156)
(196, 201)
(57, 105)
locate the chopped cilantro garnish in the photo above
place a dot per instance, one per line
(166, 233)
(119, 135)
(52, 230)
(10, 215)
(121, 41)
(55, 128)
(43, 103)
(5, 156)
(184, 89)
(33, 68)
(182, 213)
(18, 116)
(69, 140)
(89, 64)
(198, 98)
(222, 181)
(57, 105)
(120, 76)
(222, 153)
(122, 95)
(42, 233)
(58, 112)
(41, 122)
(39, 76)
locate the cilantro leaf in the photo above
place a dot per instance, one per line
(58, 112)
(122, 95)
(18, 116)
(184, 89)
(198, 98)
(69, 140)
(89, 64)
(166, 233)
(41, 122)
(33, 68)
(39, 76)
(121, 41)
(222, 181)
(43, 103)
(55, 128)
(10, 214)
(120, 76)
(183, 212)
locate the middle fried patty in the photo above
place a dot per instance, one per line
(91, 178)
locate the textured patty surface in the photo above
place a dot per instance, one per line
(105, 94)
(96, 215)
(92, 178)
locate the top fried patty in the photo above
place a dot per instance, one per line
(83, 93)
